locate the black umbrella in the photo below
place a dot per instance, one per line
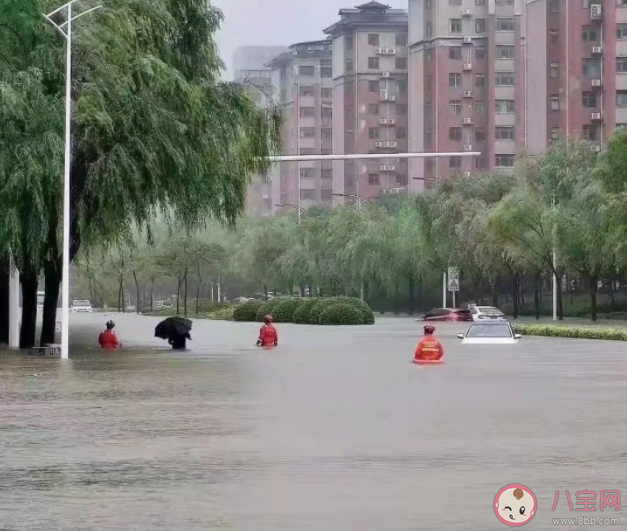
(173, 326)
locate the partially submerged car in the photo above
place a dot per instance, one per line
(495, 332)
(486, 313)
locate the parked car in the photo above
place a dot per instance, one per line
(81, 306)
(446, 314)
(481, 313)
(490, 333)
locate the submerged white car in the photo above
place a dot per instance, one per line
(486, 313)
(81, 306)
(489, 333)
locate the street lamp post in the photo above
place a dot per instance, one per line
(299, 209)
(360, 200)
(66, 30)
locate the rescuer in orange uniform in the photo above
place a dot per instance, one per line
(268, 336)
(108, 339)
(429, 348)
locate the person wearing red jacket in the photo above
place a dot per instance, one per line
(268, 336)
(108, 339)
(429, 348)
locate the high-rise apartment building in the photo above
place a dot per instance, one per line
(302, 81)
(369, 99)
(504, 77)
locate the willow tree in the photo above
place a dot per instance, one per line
(155, 129)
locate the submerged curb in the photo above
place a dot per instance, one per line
(572, 332)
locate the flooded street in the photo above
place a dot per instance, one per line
(334, 430)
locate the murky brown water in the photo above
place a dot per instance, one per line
(335, 430)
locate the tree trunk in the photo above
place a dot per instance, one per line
(593, 297)
(302, 291)
(612, 301)
(137, 295)
(515, 295)
(120, 295)
(495, 294)
(152, 294)
(265, 291)
(5, 277)
(185, 295)
(411, 294)
(52, 279)
(536, 295)
(560, 298)
(178, 295)
(30, 283)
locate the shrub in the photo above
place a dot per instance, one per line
(284, 310)
(361, 306)
(341, 313)
(267, 308)
(247, 311)
(223, 314)
(301, 315)
(573, 332)
(321, 305)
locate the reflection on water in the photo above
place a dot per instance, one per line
(336, 429)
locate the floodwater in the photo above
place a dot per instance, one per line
(334, 430)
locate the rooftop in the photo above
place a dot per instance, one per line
(366, 14)
(307, 49)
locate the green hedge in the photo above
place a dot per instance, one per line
(323, 304)
(247, 311)
(301, 315)
(284, 310)
(318, 308)
(341, 313)
(574, 332)
(267, 308)
(223, 314)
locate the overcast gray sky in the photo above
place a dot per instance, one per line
(277, 22)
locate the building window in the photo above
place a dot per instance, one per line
(326, 72)
(621, 32)
(307, 132)
(621, 98)
(621, 65)
(373, 63)
(555, 70)
(428, 137)
(589, 34)
(326, 174)
(307, 194)
(479, 134)
(589, 132)
(373, 178)
(401, 133)
(505, 52)
(326, 112)
(401, 63)
(429, 29)
(504, 161)
(307, 92)
(428, 2)
(326, 151)
(479, 108)
(504, 133)
(456, 107)
(454, 163)
(373, 39)
(455, 25)
(455, 2)
(401, 39)
(555, 6)
(401, 110)
(455, 133)
(455, 52)
(479, 2)
(326, 94)
(373, 86)
(349, 66)
(480, 25)
(374, 133)
(554, 37)
(505, 79)
(504, 106)
(308, 71)
(307, 112)
(504, 24)
(373, 108)
(589, 100)
(429, 82)
(401, 87)
(479, 163)
(479, 52)
(307, 173)
(349, 42)
(480, 80)
(454, 80)
(591, 68)
(401, 180)
(621, 3)
(504, 2)
(326, 133)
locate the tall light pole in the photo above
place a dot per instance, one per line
(360, 200)
(65, 29)
(299, 209)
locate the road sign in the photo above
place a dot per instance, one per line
(453, 279)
